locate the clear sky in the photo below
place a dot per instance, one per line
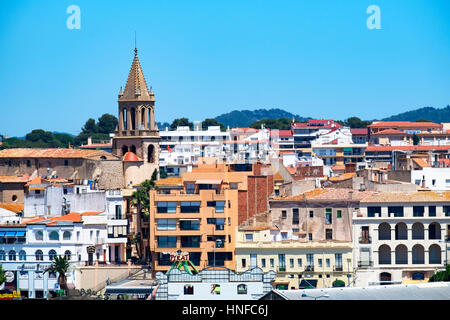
(204, 58)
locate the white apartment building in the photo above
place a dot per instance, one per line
(436, 179)
(181, 148)
(248, 144)
(400, 237)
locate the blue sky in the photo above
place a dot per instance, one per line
(204, 58)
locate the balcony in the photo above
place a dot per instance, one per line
(338, 268)
(365, 239)
(309, 268)
(281, 269)
(365, 264)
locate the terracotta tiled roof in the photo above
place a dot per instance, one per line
(281, 133)
(421, 196)
(170, 181)
(338, 167)
(411, 148)
(389, 131)
(377, 124)
(342, 177)
(14, 207)
(421, 162)
(359, 131)
(14, 178)
(291, 170)
(130, 156)
(53, 153)
(277, 177)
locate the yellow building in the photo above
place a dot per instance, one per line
(298, 264)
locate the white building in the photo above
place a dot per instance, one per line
(248, 144)
(26, 250)
(436, 179)
(181, 148)
(401, 237)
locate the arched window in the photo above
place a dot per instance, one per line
(151, 153)
(434, 231)
(384, 231)
(54, 235)
(67, 235)
(417, 231)
(12, 255)
(242, 288)
(39, 235)
(133, 149)
(52, 254)
(67, 254)
(401, 231)
(384, 254)
(385, 277)
(133, 119)
(401, 254)
(418, 254)
(125, 119)
(434, 253)
(22, 255)
(124, 150)
(2, 255)
(39, 255)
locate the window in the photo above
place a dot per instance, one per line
(244, 263)
(188, 289)
(310, 236)
(12, 255)
(310, 259)
(39, 255)
(446, 210)
(67, 235)
(39, 235)
(320, 263)
(167, 242)
(372, 211)
(54, 235)
(190, 241)
(189, 224)
(2, 255)
(219, 205)
(166, 207)
(299, 262)
(283, 214)
(291, 263)
(328, 263)
(338, 260)
(263, 262)
(311, 214)
(67, 254)
(395, 211)
(166, 224)
(248, 237)
(432, 211)
(22, 255)
(118, 211)
(242, 289)
(295, 219)
(339, 214)
(329, 234)
(190, 207)
(52, 254)
(284, 236)
(328, 213)
(272, 262)
(418, 211)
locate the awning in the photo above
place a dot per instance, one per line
(2, 234)
(196, 219)
(208, 181)
(10, 234)
(308, 284)
(37, 188)
(20, 234)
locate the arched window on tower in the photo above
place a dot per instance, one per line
(125, 119)
(151, 153)
(133, 119)
(124, 150)
(133, 149)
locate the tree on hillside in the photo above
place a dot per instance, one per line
(107, 123)
(280, 124)
(212, 122)
(90, 127)
(181, 122)
(355, 122)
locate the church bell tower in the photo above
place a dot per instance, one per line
(136, 138)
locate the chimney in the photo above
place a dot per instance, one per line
(89, 142)
(423, 181)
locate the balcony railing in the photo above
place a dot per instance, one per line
(338, 268)
(366, 239)
(365, 264)
(309, 268)
(281, 269)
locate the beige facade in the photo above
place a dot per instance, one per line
(297, 264)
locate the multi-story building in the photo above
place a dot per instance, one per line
(182, 148)
(201, 218)
(248, 144)
(306, 239)
(27, 249)
(282, 141)
(400, 133)
(334, 153)
(401, 237)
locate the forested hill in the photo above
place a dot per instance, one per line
(425, 113)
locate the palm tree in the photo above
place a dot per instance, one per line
(61, 265)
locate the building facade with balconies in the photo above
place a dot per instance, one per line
(401, 237)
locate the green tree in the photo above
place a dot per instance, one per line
(162, 173)
(415, 139)
(107, 123)
(338, 283)
(90, 127)
(441, 275)
(280, 124)
(212, 122)
(355, 122)
(181, 122)
(2, 275)
(61, 265)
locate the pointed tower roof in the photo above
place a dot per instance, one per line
(136, 88)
